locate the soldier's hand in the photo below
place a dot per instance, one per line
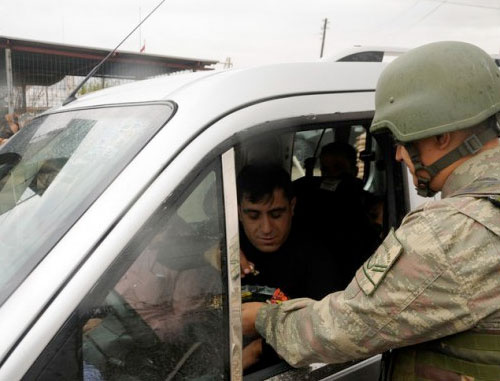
(248, 316)
(246, 267)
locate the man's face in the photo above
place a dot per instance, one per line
(335, 166)
(267, 223)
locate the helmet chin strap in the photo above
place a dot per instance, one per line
(423, 184)
(470, 146)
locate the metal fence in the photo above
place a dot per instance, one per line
(36, 76)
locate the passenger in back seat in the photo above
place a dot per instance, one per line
(336, 209)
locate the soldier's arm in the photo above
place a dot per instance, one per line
(413, 289)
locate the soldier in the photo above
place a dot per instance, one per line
(433, 286)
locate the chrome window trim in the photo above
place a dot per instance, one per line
(233, 264)
(348, 373)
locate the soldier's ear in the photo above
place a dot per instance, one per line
(443, 140)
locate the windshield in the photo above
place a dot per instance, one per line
(53, 169)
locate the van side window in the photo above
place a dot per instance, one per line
(308, 144)
(160, 311)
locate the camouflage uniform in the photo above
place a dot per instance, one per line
(435, 276)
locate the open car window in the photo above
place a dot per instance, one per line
(337, 224)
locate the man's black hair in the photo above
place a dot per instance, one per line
(258, 182)
(341, 149)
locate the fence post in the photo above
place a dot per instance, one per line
(10, 86)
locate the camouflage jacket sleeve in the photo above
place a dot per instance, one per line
(435, 276)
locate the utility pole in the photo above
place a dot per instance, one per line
(228, 64)
(325, 24)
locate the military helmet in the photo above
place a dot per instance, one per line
(436, 88)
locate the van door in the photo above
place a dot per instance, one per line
(161, 309)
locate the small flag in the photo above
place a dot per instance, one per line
(143, 49)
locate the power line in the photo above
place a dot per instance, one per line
(403, 12)
(382, 31)
(432, 11)
(470, 5)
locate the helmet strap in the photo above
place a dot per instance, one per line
(470, 146)
(423, 183)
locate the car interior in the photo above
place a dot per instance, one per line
(340, 220)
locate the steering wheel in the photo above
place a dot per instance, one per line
(123, 343)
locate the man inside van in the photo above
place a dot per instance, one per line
(273, 254)
(276, 254)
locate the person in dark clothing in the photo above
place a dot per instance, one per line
(301, 267)
(284, 257)
(336, 210)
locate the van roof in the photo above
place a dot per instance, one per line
(235, 87)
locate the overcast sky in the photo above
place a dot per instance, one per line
(253, 32)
